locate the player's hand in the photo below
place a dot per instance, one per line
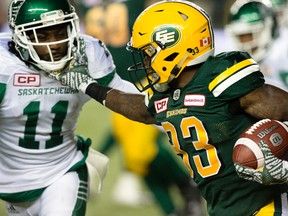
(76, 76)
(275, 171)
(248, 173)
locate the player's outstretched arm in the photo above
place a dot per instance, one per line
(129, 105)
(77, 77)
(275, 171)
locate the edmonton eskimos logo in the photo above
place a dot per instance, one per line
(167, 35)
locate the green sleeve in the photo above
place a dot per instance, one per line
(2, 91)
(106, 79)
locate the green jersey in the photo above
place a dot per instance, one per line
(203, 131)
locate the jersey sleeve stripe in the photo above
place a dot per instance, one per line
(2, 91)
(234, 78)
(229, 72)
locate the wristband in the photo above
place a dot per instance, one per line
(83, 86)
(98, 92)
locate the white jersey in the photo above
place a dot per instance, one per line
(223, 42)
(274, 66)
(38, 119)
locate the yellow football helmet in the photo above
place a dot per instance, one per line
(167, 37)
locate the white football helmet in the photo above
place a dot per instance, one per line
(257, 19)
(26, 17)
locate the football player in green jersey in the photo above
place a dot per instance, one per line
(143, 150)
(203, 102)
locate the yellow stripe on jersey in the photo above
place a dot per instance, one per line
(230, 71)
(232, 75)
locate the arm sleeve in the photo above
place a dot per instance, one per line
(123, 85)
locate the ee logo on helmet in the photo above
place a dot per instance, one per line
(167, 35)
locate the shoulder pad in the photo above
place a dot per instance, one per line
(228, 59)
(230, 68)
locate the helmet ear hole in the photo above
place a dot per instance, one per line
(171, 57)
(184, 16)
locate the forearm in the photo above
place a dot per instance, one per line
(129, 105)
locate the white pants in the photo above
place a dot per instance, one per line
(61, 198)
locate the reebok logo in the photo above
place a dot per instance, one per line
(11, 209)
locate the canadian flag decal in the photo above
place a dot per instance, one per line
(205, 41)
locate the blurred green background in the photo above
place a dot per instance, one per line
(94, 122)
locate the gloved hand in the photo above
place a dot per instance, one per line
(76, 76)
(275, 171)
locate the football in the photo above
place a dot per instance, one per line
(246, 149)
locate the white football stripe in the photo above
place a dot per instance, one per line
(234, 78)
(254, 147)
(283, 125)
(256, 125)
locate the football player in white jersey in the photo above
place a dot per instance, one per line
(42, 161)
(254, 28)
